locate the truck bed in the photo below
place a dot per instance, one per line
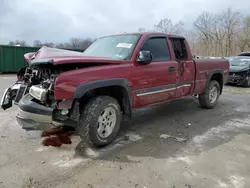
(205, 68)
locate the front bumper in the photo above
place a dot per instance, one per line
(237, 79)
(34, 116)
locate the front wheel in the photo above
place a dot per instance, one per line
(99, 121)
(209, 98)
(247, 82)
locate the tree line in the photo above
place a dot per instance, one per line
(74, 43)
(222, 34)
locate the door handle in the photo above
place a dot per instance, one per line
(171, 69)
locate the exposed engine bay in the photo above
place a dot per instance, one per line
(37, 81)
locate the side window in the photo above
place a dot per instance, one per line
(179, 49)
(158, 47)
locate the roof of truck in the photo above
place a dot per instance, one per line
(151, 33)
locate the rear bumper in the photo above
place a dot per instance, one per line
(34, 116)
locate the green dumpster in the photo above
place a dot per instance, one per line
(12, 57)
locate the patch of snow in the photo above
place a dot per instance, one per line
(220, 131)
(178, 139)
(185, 159)
(222, 184)
(165, 136)
(40, 149)
(133, 137)
(237, 181)
(92, 153)
(69, 163)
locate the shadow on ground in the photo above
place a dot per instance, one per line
(142, 137)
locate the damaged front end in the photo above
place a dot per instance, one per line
(239, 70)
(240, 77)
(33, 93)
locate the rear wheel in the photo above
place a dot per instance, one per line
(209, 98)
(100, 121)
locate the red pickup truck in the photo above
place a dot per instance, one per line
(95, 90)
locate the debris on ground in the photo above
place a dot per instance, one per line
(90, 186)
(178, 139)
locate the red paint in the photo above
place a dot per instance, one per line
(140, 76)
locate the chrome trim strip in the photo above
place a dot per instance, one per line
(163, 90)
(153, 92)
(185, 85)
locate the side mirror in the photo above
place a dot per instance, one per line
(144, 57)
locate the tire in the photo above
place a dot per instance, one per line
(98, 110)
(247, 82)
(205, 100)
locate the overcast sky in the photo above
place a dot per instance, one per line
(59, 20)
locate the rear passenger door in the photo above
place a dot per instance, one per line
(186, 67)
(156, 81)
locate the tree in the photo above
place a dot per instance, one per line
(141, 29)
(222, 34)
(49, 44)
(18, 43)
(59, 45)
(11, 43)
(231, 23)
(37, 43)
(192, 40)
(243, 37)
(75, 43)
(203, 26)
(218, 33)
(85, 43)
(167, 26)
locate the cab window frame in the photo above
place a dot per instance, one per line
(167, 47)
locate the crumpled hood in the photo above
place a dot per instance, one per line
(239, 68)
(46, 53)
(57, 56)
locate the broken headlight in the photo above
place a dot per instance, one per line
(38, 92)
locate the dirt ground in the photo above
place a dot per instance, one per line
(174, 145)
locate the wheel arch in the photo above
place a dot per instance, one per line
(216, 75)
(118, 88)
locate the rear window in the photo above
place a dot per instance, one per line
(179, 48)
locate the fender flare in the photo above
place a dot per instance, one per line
(82, 89)
(211, 73)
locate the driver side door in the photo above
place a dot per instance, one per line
(156, 81)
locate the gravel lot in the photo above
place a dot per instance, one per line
(177, 144)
